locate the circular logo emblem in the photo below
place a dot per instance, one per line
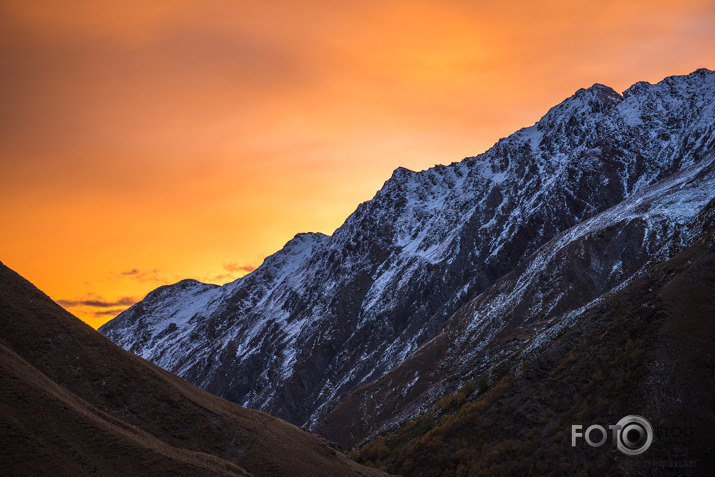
(634, 436)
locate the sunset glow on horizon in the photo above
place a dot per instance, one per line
(142, 143)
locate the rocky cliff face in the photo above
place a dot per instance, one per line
(644, 349)
(445, 264)
(522, 313)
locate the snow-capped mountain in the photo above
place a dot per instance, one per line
(442, 265)
(520, 315)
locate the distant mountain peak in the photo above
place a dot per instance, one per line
(599, 91)
(596, 100)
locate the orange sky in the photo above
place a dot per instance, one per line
(145, 142)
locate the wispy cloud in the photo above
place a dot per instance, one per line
(142, 275)
(98, 302)
(129, 273)
(233, 271)
(97, 306)
(108, 312)
(236, 268)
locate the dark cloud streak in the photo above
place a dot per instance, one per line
(109, 312)
(98, 302)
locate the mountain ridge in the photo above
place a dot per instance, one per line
(329, 314)
(526, 309)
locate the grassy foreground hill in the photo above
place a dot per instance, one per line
(73, 403)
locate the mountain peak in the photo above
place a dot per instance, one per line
(598, 89)
(701, 79)
(596, 100)
(637, 88)
(400, 173)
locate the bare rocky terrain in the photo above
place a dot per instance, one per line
(452, 274)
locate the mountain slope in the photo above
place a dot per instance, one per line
(73, 403)
(514, 320)
(328, 315)
(647, 349)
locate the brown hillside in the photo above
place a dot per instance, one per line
(73, 403)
